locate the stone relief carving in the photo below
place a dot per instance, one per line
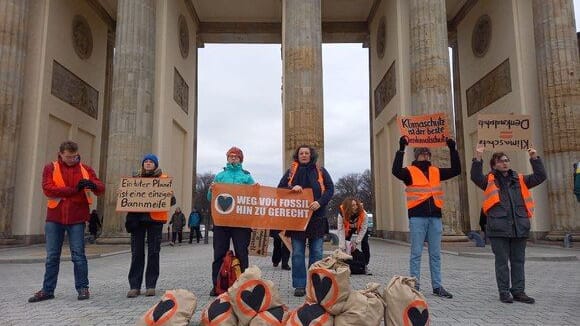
(82, 37)
(481, 36)
(180, 91)
(71, 89)
(386, 90)
(183, 36)
(489, 89)
(381, 38)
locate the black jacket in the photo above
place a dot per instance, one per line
(315, 228)
(508, 218)
(426, 208)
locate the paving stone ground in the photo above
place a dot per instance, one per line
(554, 284)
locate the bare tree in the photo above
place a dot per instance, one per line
(355, 185)
(202, 204)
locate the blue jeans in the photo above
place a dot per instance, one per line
(430, 229)
(298, 259)
(54, 235)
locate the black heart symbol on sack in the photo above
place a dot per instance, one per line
(418, 318)
(277, 312)
(217, 308)
(255, 297)
(321, 286)
(308, 313)
(225, 202)
(161, 308)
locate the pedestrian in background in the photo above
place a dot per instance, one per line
(233, 173)
(509, 207)
(94, 225)
(193, 222)
(280, 252)
(424, 203)
(304, 173)
(177, 223)
(68, 184)
(150, 225)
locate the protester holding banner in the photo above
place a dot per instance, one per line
(509, 206)
(233, 173)
(352, 219)
(150, 225)
(68, 185)
(424, 203)
(280, 252)
(303, 174)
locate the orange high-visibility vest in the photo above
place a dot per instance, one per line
(294, 168)
(491, 195)
(160, 216)
(346, 220)
(422, 189)
(59, 181)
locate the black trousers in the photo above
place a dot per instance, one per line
(280, 253)
(197, 233)
(177, 235)
(512, 251)
(364, 244)
(221, 244)
(153, 231)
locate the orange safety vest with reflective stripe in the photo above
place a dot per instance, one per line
(491, 195)
(346, 220)
(160, 216)
(59, 181)
(294, 168)
(422, 189)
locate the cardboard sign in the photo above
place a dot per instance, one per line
(259, 241)
(430, 130)
(504, 132)
(144, 195)
(260, 207)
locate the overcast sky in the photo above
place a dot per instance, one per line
(240, 105)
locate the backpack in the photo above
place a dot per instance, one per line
(357, 264)
(229, 272)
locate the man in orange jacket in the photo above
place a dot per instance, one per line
(509, 206)
(424, 203)
(68, 184)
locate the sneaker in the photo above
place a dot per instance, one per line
(133, 293)
(83, 294)
(441, 292)
(506, 298)
(523, 297)
(286, 267)
(213, 293)
(150, 292)
(40, 296)
(299, 292)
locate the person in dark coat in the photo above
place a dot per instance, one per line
(304, 174)
(508, 206)
(177, 223)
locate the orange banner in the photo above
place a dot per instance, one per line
(430, 130)
(260, 207)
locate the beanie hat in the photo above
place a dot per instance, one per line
(151, 157)
(236, 151)
(420, 150)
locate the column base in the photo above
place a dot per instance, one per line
(113, 240)
(559, 235)
(454, 238)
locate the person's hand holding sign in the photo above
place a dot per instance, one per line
(314, 205)
(296, 189)
(403, 142)
(479, 151)
(533, 153)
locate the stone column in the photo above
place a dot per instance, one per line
(13, 14)
(131, 117)
(431, 90)
(559, 85)
(302, 79)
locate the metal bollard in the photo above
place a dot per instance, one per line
(568, 240)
